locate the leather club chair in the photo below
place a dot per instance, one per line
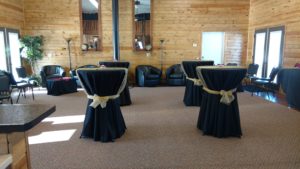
(147, 75)
(175, 75)
(73, 72)
(51, 72)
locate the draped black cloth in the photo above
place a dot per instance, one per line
(125, 95)
(289, 79)
(59, 86)
(102, 124)
(193, 93)
(216, 118)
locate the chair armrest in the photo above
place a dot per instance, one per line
(168, 72)
(43, 75)
(73, 73)
(140, 77)
(141, 72)
(5, 160)
(63, 74)
(266, 79)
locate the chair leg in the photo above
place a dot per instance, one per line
(24, 92)
(268, 94)
(32, 93)
(20, 91)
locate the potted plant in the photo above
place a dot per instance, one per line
(31, 50)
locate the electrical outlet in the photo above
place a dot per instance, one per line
(195, 45)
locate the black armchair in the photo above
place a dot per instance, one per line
(51, 72)
(5, 91)
(266, 84)
(147, 75)
(175, 75)
(252, 69)
(74, 75)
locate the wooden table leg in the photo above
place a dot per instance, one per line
(16, 144)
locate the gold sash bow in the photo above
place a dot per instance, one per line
(100, 100)
(227, 96)
(197, 82)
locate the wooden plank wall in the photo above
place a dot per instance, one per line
(11, 14)
(179, 22)
(54, 19)
(270, 13)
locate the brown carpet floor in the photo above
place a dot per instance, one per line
(161, 133)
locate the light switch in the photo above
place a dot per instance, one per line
(195, 45)
(49, 55)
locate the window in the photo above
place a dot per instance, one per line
(213, 47)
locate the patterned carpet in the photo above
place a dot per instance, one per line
(161, 133)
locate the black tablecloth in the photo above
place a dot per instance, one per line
(103, 124)
(216, 118)
(289, 79)
(125, 95)
(59, 86)
(193, 93)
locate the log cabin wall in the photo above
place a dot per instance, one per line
(179, 23)
(54, 19)
(11, 14)
(270, 13)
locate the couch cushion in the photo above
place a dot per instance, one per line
(152, 76)
(54, 76)
(176, 76)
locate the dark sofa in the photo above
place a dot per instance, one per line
(74, 75)
(51, 72)
(175, 75)
(147, 75)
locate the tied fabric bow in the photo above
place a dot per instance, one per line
(227, 96)
(197, 82)
(100, 100)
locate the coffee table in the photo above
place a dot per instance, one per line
(59, 86)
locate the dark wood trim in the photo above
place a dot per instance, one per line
(133, 26)
(100, 34)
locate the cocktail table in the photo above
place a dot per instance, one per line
(15, 120)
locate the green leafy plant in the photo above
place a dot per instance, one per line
(32, 49)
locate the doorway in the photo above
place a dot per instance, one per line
(268, 49)
(213, 47)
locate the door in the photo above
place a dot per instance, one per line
(3, 56)
(10, 57)
(213, 47)
(259, 54)
(14, 51)
(268, 49)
